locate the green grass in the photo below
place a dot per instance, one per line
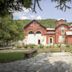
(46, 50)
(14, 56)
(55, 49)
(11, 56)
(48, 23)
(68, 49)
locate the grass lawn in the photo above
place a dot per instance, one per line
(46, 50)
(11, 56)
(68, 49)
(16, 55)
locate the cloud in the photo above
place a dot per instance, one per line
(32, 16)
(38, 17)
(35, 17)
(23, 18)
(22, 15)
(26, 10)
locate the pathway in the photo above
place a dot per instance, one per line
(44, 62)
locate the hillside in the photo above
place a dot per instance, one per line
(47, 22)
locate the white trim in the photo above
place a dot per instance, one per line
(69, 33)
(50, 28)
(50, 32)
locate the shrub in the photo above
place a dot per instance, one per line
(47, 46)
(59, 45)
(32, 46)
(67, 45)
(56, 46)
(29, 46)
(41, 46)
(26, 46)
(19, 46)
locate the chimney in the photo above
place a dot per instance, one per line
(59, 22)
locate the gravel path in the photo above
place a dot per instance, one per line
(44, 62)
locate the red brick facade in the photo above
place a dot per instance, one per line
(69, 39)
(53, 35)
(34, 26)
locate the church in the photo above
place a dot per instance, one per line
(36, 33)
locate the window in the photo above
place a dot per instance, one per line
(61, 39)
(31, 32)
(39, 41)
(62, 30)
(50, 40)
(38, 32)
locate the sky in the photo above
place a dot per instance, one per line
(48, 12)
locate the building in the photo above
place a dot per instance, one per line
(36, 33)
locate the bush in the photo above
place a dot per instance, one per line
(26, 46)
(67, 45)
(29, 46)
(19, 46)
(41, 46)
(56, 46)
(59, 45)
(32, 46)
(47, 46)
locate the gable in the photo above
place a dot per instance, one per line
(34, 23)
(62, 25)
(34, 26)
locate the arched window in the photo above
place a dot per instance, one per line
(31, 32)
(62, 30)
(38, 32)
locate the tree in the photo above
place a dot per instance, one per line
(8, 6)
(10, 31)
(62, 4)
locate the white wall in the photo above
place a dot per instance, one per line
(33, 39)
(61, 39)
(30, 39)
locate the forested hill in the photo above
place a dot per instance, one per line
(46, 22)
